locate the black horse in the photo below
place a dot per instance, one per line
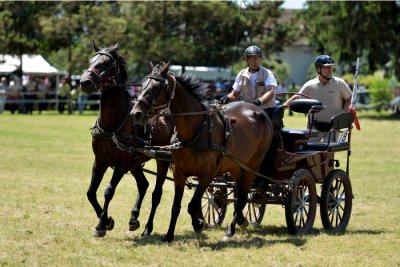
(108, 74)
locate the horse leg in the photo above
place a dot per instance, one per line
(105, 222)
(162, 169)
(142, 185)
(97, 175)
(194, 207)
(179, 183)
(243, 186)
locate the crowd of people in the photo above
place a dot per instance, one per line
(40, 93)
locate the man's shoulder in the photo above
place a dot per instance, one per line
(266, 70)
(338, 79)
(313, 81)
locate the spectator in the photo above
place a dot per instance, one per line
(41, 94)
(14, 94)
(3, 93)
(64, 92)
(30, 94)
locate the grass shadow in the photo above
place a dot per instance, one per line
(253, 237)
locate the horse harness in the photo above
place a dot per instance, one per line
(117, 137)
(199, 144)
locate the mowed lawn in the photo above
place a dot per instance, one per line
(46, 220)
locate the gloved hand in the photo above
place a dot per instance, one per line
(223, 100)
(256, 102)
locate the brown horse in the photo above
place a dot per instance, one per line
(207, 142)
(107, 74)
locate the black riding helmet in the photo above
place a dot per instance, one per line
(324, 60)
(252, 50)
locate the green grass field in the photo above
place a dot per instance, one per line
(46, 220)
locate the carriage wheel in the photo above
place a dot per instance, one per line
(213, 205)
(301, 203)
(336, 201)
(255, 208)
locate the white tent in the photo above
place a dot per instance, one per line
(31, 65)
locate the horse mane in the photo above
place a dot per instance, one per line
(193, 85)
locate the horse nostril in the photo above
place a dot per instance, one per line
(138, 115)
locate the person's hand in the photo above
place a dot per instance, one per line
(256, 102)
(223, 100)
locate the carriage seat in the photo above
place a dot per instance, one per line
(301, 106)
(341, 123)
(298, 133)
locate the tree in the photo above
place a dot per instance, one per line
(19, 27)
(348, 29)
(74, 27)
(188, 33)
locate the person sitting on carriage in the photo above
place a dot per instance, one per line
(331, 91)
(254, 84)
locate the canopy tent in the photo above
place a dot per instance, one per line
(31, 65)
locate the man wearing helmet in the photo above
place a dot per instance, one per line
(331, 91)
(254, 84)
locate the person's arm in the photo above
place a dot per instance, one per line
(347, 103)
(290, 100)
(233, 95)
(268, 95)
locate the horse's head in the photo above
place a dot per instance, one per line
(106, 69)
(156, 92)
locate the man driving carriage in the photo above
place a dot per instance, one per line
(331, 91)
(254, 84)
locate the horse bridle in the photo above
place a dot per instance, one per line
(102, 80)
(151, 109)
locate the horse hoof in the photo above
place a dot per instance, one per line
(110, 225)
(134, 225)
(244, 224)
(99, 232)
(168, 239)
(145, 233)
(200, 228)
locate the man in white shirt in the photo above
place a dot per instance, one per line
(254, 84)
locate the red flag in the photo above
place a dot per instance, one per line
(356, 122)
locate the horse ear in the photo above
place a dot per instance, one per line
(151, 66)
(96, 48)
(115, 47)
(165, 67)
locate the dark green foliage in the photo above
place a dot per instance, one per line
(351, 29)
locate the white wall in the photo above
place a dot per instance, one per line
(299, 58)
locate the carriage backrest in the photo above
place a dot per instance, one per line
(342, 120)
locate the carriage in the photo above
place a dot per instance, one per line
(297, 169)
(229, 143)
